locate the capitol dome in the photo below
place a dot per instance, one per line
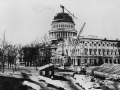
(63, 17)
(62, 26)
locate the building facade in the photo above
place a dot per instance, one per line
(90, 50)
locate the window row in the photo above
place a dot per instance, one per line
(62, 25)
(86, 44)
(94, 52)
(103, 52)
(92, 44)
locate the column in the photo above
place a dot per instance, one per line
(51, 35)
(116, 61)
(69, 33)
(66, 34)
(93, 61)
(97, 61)
(112, 60)
(76, 61)
(58, 34)
(54, 35)
(108, 60)
(103, 60)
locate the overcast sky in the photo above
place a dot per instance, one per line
(26, 20)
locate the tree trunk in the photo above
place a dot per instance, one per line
(2, 67)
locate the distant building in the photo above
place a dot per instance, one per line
(47, 70)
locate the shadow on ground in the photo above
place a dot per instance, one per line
(55, 77)
(10, 83)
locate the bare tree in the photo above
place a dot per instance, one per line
(12, 52)
(4, 46)
(45, 39)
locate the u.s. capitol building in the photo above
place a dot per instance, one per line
(90, 50)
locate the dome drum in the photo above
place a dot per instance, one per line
(62, 25)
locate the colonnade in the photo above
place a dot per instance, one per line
(110, 60)
(55, 35)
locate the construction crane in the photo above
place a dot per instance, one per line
(74, 48)
(67, 10)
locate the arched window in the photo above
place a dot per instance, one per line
(103, 45)
(94, 44)
(90, 51)
(95, 51)
(99, 44)
(99, 50)
(103, 51)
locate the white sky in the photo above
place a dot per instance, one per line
(26, 20)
